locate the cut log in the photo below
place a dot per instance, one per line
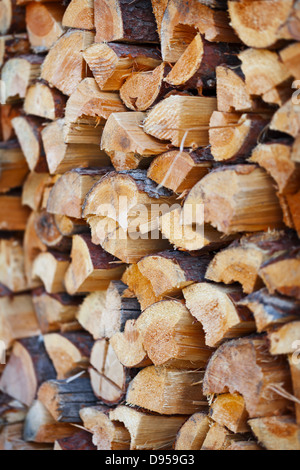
(11, 411)
(271, 310)
(13, 45)
(180, 171)
(171, 337)
(283, 339)
(140, 285)
(143, 90)
(277, 432)
(17, 319)
(68, 194)
(79, 14)
(18, 73)
(66, 55)
(49, 234)
(109, 378)
(241, 261)
(193, 433)
(34, 188)
(290, 58)
(45, 102)
(82, 440)
(216, 308)
(281, 273)
(41, 427)
(11, 438)
(32, 247)
(128, 347)
(196, 68)
(274, 88)
(170, 271)
(234, 136)
(244, 445)
(258, 207)
(7, 113)
(69, 352)
(13, 166)
(111, 64)
(148, 431)
(295, 373)
(167, 391)
(69, 226)
(252, 22)
(13, 215)
(91, 268)
(122, 20)
(54, 310)
(159, 8)
(28, 367)
(43, 23)
(229, 410)
(64, 399)
(12, 17)
(12, 272)
(128, 146)
(293, 201)
(107, 435)
(181, 22)
(62, 157)
(218, 438)
(287, 118)
(246, 366)
(51, 268)
(28, 131)
(183, 120)
(105, 313)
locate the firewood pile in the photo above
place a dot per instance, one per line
(149, 225)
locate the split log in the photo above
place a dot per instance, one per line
(34, 189)
(233, 136)
(193, 433)
(229, 410)
(105, 313)
(148, 431)
(122, 20)
(111, 64)
(43, 101)
(64, 399)
(287, 118)
(196, 68)
(28, 131)
(51, 268)
(281, 273)
(244, 445)
(82, 440)
(109, 378)
(43, 23)
(32, 248)
(274, 88)
(40, 426)
(171, 337)
(11, 438)
(68, 226)
(277, 432)
(69, 352)
(66, 55)
(62, 157)
(12, 17)
(79, 14)
(128, 347)
(295, 373)
(241, 261)
(143, 90)
(246, 366)
(167, 391)
(107, 435)
(13, 45)
(49, 234)
(18, 73)
(7, 113)
(271, 310)
(28, 367)
(183, 120)
(68, 194)
(216, 308)
(258, 207)
(170, 271)
(255, 27)
(12, 271)
(181, 22)
(11, 411)
(128, 146)
(91, 267)
(17, 319)
(283, 339)
(218, 438)
(180, 171)
(13, 215)
(293, 201)
(13, 166)
(276, 158)
(159, 8)
(290, 58)
(140, 285)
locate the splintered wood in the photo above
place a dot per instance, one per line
(149, 225)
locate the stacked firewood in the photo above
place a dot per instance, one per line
(150, 222)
